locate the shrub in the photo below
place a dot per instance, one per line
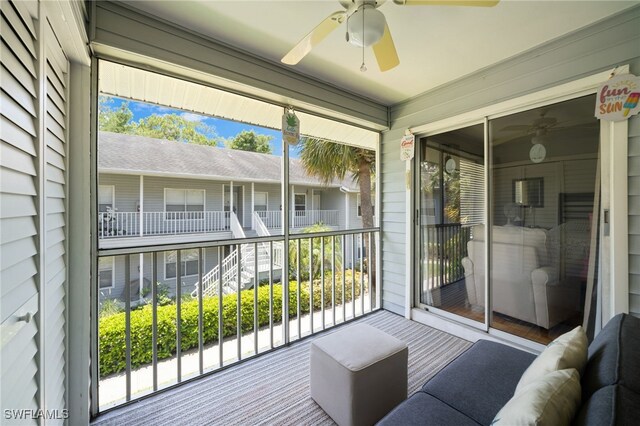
(110, 307)
(112, 328)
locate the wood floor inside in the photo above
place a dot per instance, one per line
(454, 300)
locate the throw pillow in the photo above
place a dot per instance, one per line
(567, 351)
(552, 399)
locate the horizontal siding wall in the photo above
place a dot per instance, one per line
(126, 190)
(118, 290)
(274, 201)
(394, 256)
(602, 46)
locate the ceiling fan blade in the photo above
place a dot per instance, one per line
(385, 51)
(318, 34)
(478, 3)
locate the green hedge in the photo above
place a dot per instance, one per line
(112, 328)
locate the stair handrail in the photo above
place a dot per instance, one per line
(236, 227)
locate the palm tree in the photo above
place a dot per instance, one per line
(329, 160)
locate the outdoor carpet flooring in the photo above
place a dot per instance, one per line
(273, 389)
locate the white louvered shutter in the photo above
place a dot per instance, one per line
(33, 263)
(56, 69)
(19, 206)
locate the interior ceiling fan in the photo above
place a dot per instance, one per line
(367, 26)
(539, 130)
(539, 127)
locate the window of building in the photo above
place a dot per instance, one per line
(189, 263)
(184, 203)
(261, 201)
(106, 269)
(184, 200)
(300, 202)
(106, 196)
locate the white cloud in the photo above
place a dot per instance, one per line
(189, 116)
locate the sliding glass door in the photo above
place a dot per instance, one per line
(545, 189)
(538, 248)
(451, 212)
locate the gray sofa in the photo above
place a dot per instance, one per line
(474, 387)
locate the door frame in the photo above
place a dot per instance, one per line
(239, 188)
(614, 188)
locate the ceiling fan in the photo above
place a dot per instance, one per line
(539, 127)
(367, 26)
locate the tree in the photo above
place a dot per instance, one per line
(329, 160)
(172, 127)
(175, 127)
(248, 140)
(114, 120)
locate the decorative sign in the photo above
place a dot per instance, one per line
(290, 128)
(407, 146)
(618, 98)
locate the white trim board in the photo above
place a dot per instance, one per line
(571, 90)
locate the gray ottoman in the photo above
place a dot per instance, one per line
(358, 374)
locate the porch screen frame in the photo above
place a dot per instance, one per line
(285, 190)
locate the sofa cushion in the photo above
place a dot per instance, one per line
(610, 361)
(610, 405)
(481, 380)
(567, 351)
(423, 409)
(551, 399)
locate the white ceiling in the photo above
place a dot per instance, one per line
(436, 44)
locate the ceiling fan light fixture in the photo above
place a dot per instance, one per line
(366, 30)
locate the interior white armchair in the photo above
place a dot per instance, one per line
(524, 285)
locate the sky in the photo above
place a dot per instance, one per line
(224, 128)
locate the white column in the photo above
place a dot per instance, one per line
(141, 224)
(347, 240)
(140, 213)
(292, 208)
(346, 210)
(253, 202)
(230, 198)
(314, 218)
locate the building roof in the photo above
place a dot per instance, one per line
(129, 154)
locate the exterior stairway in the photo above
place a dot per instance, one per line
(226, 274)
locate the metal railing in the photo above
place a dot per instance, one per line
(173, 339)
(300, 218)
(127, 224)
(446, 247)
